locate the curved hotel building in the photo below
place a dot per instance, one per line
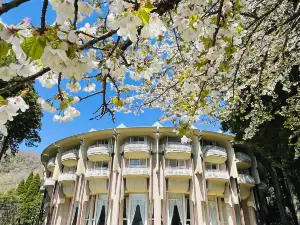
(146, 176)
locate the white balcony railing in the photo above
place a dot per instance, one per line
(137, 146)
(216, 174)
(98, 149)
(70, 154)
(136, 171)
(243, 157)
(49, 182)
(211, 150)
(177, 147)
(67, 177)
(174, 171)
(97, 172)
(245, 179)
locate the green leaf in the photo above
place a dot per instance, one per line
(63, 105)
(149, 7)
(34, 47)
(4, 48)
(118, 102)
(239, 29)
(144, 16)
(193, 19)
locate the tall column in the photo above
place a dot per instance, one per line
(197, 182)
(155, 177)
(117, 176)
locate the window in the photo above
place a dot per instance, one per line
(224, 210)
(137, 163)
(174, 163)
(138, 139)
(211, 166)
(174, 139)
(101, 165)
(103, 142)
(125, 211)
(213, 210)
(188, 212)
(71, 169)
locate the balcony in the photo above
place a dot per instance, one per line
(51, 164)
(67, 178)
(178, 172)
(69, 158)
(214, 154)
(137, 150)
(68, 183)
(216, 180)
(177, 150)
(136, 172)
(217, 175)
(98, 179)
(246, 182)
(97, 173)
(99, 152)
(49, 182)
(245, 179)
(243, 161)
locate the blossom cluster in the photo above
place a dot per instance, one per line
(190, 58)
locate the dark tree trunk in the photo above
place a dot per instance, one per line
(292, 193)
(278, 194)
(4, 146)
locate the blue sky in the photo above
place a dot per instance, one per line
(51, 131)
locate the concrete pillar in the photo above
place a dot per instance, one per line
(155, 178)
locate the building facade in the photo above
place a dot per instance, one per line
(146, 176)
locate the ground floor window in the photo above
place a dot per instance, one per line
(138, 209)
(176, 214)
(95, 211)
(213, 210)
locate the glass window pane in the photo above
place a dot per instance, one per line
(135, 139)
(105, 164)
(208, 166)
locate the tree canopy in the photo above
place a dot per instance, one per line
(22, 205)
(25, 125)
(187, 57)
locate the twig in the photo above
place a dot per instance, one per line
(82, 32)
(43, 16)
(88, 96)
(95, 40)
(58, 87)
(75, 14)
(114, 48)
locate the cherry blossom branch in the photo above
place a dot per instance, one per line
(104, 106)
(58, 87)
(94, 41)
(75, 13)
(114, 48)
(10, 5)
(91, 95)
(218, 22)
(82, 32)
(14, 83)
(43, 17)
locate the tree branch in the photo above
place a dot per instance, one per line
(43, 16)
(75, 14)
(59, 89)
(10, 5)
(30, 78)
(94, 41)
